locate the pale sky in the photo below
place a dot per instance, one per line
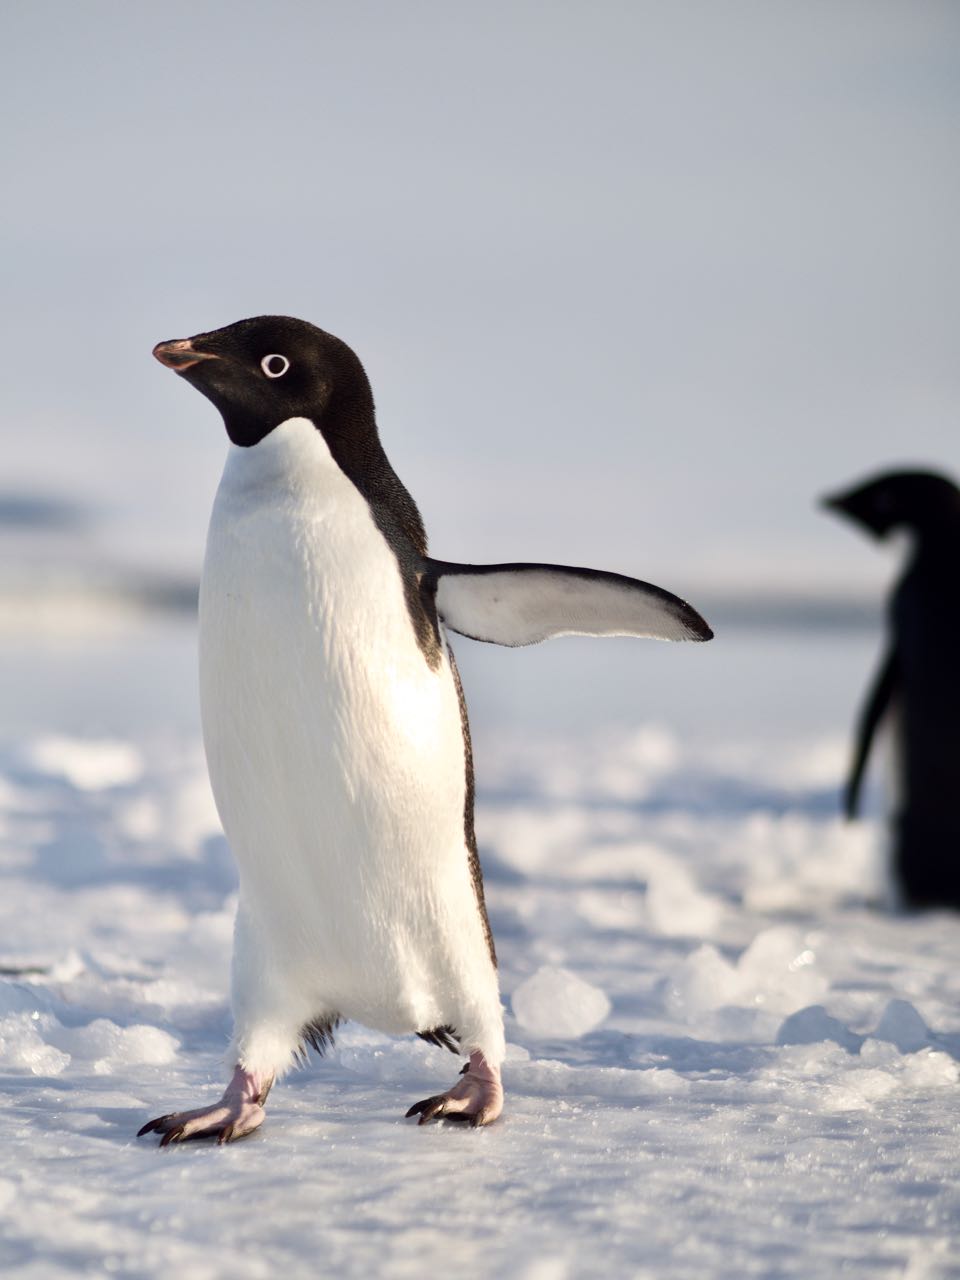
(633, 282)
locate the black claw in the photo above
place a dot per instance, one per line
(172, 1135)
(429, 1108)
(226, 1135)
(152, 1125)
(434, 1111)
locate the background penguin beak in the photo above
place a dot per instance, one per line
(834, 502)
(180, 355)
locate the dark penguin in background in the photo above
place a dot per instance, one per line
(335, 728)
(918, 681)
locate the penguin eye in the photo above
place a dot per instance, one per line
(274, 366)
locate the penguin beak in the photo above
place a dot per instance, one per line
(180, 354)
(834, 502)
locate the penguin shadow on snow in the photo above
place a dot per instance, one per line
(916, 691)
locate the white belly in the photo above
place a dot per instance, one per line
(335, 753)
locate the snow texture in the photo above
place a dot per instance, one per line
(726, 1058)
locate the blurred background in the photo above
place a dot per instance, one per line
(634, 284)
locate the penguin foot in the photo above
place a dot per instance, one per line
(238, 1113)
(476, 1100)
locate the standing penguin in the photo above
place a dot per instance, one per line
(918, 680)
(335, 727)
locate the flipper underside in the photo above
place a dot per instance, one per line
(520, 604)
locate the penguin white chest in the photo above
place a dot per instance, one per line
(335, 750)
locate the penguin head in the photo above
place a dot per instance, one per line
(921, 501)
(262, 371)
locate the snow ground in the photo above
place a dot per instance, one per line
(726, 1059)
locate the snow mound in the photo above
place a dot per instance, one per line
(557, 1004)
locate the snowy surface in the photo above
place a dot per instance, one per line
(728, 1058)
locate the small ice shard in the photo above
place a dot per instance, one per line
(813, 1025)
(555, 1004)
(704, 981)
(779, 971)
(903, 1026)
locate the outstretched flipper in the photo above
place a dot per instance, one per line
(519, 604)
(876, 705)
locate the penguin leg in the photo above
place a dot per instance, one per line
(236, 1114)
(476, 1100)
(273, 1020)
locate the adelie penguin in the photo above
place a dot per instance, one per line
(918, 683)
(335, 727)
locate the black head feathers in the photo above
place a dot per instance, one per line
(261, 372)
(922, 501)
(266, 370)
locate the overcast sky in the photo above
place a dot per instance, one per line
(633, 282)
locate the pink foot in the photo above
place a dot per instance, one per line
(238, 1113)
(476, 1100)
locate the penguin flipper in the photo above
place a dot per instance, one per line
(881, 694)
(520, 604)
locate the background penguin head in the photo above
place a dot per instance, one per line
(922, 501)
(262, 371)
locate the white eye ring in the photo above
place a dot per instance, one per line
(269, 366)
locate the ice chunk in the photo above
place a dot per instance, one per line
(704, 981)
(557, 1004)
(812, 1025)
(903, 1026)
(778, 970)
(776, 973)
(23, 1046)
(110, 1046)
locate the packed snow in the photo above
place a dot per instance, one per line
(728, 1055)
